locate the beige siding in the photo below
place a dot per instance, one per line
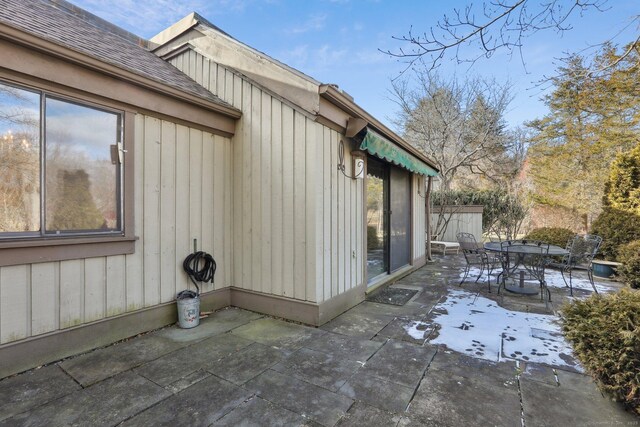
(340, 240)
(182, 179)
(297, 223)
(418, 215)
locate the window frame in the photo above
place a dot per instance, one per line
(45, 95)
(24, 248)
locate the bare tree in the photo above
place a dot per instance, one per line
(480, 29)
(458, 124)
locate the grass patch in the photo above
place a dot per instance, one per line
(605, 333)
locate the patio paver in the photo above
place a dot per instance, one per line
(401, 363)
(296, 395)
(352, 348)
(199, 405)
(104, 404)
(318, 368)
(377, 392)
(106, 362)
(34, 388)
(277, 333)
(357, 324)
(361, 414)
(572, 399)
(256, 411)
(246, 364)
(453, 400)
(180, 363)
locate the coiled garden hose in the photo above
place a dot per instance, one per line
(200, 267)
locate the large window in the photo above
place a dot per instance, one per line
(60, 166)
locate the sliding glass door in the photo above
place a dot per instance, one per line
(400, 218)
(377, 218)
(388, 219)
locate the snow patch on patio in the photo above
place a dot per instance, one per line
(478, 327)
(417, 329)
(553, 278)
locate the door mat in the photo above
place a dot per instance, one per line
(393, 296)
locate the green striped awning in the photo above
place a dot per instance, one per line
(381, 147)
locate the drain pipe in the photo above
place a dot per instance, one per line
(427, 210)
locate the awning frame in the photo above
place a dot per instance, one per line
(381, 147)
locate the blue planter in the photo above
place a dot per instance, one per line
(604, 269)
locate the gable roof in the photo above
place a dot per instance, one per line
(197, 33)
(76, 29)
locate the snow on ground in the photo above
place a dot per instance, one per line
(417, 329)
(478, 327)
(553, 278)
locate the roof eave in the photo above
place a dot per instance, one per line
(17, 35)
(338, 98)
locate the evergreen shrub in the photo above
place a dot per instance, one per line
(373, 241)
(605, 333)
(553, 235)
(629, 256)
(616, 227)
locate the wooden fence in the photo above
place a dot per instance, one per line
(462, 218)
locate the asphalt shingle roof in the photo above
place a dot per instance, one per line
(76, 29)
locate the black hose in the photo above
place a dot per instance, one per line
(200, 267)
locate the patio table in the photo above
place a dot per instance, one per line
(519, 287)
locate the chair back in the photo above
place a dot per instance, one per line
(467, 241)
(527, 257)
(473, 253)
(583, 249)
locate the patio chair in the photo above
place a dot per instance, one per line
(524, 260)
(582, 250)
(475, 255)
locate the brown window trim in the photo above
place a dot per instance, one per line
(17, 251)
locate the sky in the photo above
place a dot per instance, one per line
(339, 41)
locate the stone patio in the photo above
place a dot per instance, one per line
(374, 365)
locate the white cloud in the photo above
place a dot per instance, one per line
(296, 57)
(313, 23)
(372, 56)
(148, 17)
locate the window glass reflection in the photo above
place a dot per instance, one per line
(377, 234)
(81, 175)
(19, 160)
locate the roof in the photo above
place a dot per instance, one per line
(69, 26)
(193, 19)
(330, 92)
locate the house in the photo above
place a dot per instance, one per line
(120, 156)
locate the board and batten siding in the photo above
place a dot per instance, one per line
(419, 218)
(297, 221)
(182, 191)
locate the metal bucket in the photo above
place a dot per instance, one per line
(188, 312)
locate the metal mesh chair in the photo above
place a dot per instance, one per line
(524, 260)
(581, 249)
(475, 255)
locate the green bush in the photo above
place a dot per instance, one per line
(629, 256)
(622, 189)
(616, 227)
(553, 235)
(373, 241)
(605, 333)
